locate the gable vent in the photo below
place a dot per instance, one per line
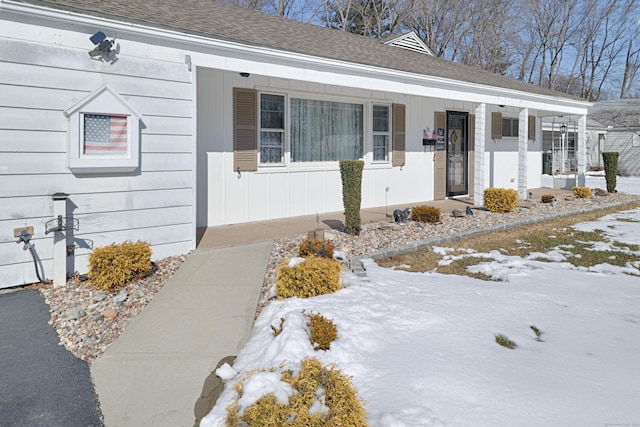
(410, 41)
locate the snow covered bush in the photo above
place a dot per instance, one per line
(500, 199)
(112, 266)
(307, 277)
(322, 331)
(317, 396)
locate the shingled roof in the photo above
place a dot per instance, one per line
(222, 21)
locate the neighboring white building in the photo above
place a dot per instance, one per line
(227, 115)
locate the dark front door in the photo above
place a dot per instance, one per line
(457, 153)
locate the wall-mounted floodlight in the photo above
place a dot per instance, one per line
(104, 48)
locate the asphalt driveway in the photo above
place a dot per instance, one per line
(41, 383)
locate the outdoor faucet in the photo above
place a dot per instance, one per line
(24, 237)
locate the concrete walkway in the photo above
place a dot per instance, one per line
(154, 373)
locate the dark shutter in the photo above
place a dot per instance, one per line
(398, 143)
(496, 125)
(245, 129)
(532, 128)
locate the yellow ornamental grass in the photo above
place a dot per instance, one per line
(500, 199)
(113, 266)
(312, 277)
(424, 213)
(322, 330)
(581, 192)
(344, 408)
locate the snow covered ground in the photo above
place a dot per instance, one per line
(421, 346)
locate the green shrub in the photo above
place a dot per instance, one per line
(581, 192)
(322, 331)
(430, 214)
(547, 198)
(113, 266)
(610, 160)
(315, 276)
(500, 199)
(345, 409)
(351, 174)
(319, 248)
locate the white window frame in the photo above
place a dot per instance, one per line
(103, 101)
(285, 133)
(515, 124)
(367, 132)
(387, 133)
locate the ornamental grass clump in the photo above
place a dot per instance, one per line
(115, 265)
(320, 396)
(322, 331)
(500, 199)
(311, 277)
(426, 214)
(581, 192)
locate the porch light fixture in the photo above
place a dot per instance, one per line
(563, 131)
(104, 48)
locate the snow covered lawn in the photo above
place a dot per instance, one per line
(421, 346)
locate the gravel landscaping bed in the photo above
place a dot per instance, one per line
(88, 320)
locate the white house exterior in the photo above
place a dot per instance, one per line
(232, 116)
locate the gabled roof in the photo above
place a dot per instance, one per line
(222, 21)
(621, 113)
(410, 41)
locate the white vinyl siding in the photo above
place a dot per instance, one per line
(154, 204)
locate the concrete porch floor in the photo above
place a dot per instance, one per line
(251, 232)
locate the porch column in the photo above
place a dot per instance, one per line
(523, 135)
(581, 151)
(478, 174)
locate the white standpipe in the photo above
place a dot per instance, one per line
(60, 240)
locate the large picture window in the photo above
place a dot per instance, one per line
(381, 135)
(271, 128)
(324, 131)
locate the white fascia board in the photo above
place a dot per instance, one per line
(238, 57)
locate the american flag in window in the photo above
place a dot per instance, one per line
(105, 134)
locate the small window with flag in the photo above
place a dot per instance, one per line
(105, 135)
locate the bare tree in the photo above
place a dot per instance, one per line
(589, 48)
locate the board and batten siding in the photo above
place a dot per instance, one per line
(154, 204)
